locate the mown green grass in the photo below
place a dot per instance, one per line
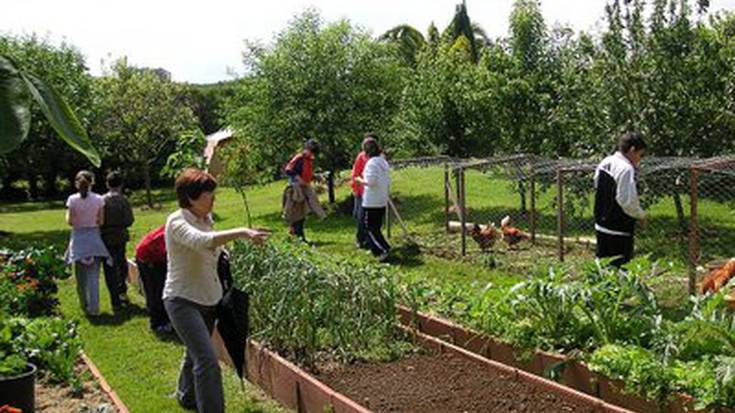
(143, 369)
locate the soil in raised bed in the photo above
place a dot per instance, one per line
(441, 383)
(56, 398)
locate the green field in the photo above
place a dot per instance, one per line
(143, 369)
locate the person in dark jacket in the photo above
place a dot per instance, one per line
(617, 205)
(118, 216)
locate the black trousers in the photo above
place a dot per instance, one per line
(116, 274)
(619, 246)
(153, 277)
(374, 222)
(297, 229)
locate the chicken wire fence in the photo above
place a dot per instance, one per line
(437, 201)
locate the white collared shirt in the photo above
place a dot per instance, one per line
(192, 259)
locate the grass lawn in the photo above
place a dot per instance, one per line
(143, 369)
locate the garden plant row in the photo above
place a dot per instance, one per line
(588, 327)
(337, 321)
(32, 333)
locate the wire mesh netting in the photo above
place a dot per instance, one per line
(552, 201)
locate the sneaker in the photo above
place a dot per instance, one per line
(164, 330)
(185, 404)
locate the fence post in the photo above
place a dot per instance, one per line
(532, 216)
(388, 221)
(463, 209)
(694, 247)
(560, 211)
(446, 196)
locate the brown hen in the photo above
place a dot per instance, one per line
(512, 236)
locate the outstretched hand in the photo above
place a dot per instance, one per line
(257, 236)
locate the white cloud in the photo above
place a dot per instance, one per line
(198, 40)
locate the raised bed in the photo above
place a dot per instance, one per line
(575, 374)
(478, 384)
(54, 398)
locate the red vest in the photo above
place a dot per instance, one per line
(307, 166)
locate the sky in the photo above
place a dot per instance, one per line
(202, 41)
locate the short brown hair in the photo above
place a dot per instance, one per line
(190, 184)
(372, 148)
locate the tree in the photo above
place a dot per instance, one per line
(448, 105)
(141, 117)
(331, 82)
(206, 101)
(461, 26)
(30, 131)
(409, 41)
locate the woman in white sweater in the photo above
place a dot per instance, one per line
(376, 179)
(193, 289)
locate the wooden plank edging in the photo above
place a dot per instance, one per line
(287, 383)
(106, 388)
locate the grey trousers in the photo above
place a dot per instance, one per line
(88, 282)
(200, 379)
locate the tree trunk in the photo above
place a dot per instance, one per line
(330, 186)
(49, 181)
(147, 183)
(244, 198)
(33, 186)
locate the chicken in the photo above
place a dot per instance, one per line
(485, 237)
(512, 236)
(718, 277)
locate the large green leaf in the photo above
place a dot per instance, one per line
(61, 117)
(15, 114)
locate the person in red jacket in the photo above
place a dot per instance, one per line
(357, 190)
(150, 257)
(299, 197)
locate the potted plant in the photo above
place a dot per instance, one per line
(17, 390)
(17, 376)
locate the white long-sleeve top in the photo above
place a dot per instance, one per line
(377, 183)
(192, 259)
(622, 171)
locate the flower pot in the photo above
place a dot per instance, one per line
(17, 391)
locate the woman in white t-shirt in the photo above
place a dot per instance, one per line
(85, 213)
(376, 180)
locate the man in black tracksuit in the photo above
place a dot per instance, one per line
(617, 206)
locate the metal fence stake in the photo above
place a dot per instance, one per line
(693, 232)
(463, 209)
(532, 212)
(446, 196)
(560, 211)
